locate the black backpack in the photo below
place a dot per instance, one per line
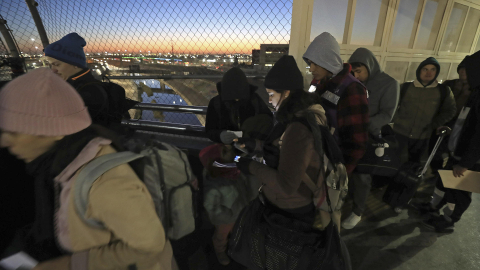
(118, 103)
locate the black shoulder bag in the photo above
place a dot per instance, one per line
(266, 237)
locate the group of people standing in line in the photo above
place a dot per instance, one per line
(57, 120)
(355, 100)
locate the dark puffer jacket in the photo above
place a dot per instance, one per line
(468, 147)
(94, 96)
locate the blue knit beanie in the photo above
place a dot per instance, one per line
(69, 49)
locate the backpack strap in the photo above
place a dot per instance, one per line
(334, 95)
(403, 92)
(90, 173)
(444, 93)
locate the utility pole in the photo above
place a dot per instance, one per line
(172, 44)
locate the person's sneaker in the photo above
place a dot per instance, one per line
(351, 221)
(398, 210)
(439, 224)
(425, 208)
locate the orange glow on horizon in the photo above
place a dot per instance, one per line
(218, 46)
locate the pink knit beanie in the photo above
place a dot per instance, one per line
(42, 103)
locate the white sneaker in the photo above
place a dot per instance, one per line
(351, 221)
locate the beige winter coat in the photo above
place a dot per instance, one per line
(134, 234)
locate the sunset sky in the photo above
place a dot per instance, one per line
(196, 26)
(202, 26)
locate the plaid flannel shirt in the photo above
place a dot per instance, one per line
(352, 117)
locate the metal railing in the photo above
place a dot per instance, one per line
(183, 77)
(170, 128)
(172, 108)
(162, 127)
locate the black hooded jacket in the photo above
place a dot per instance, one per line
(93, 95)
(230, 115)
(468, 147)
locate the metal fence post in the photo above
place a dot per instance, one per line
(8, 39)
(32, 5)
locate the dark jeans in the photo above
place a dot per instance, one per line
(460, 198)
(359, 188)
(411, 149)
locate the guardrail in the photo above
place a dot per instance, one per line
(172, 108)
(179, 77)
(163, 127)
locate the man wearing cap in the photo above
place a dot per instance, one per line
(424, 106)
(344, 98)
(67, 59)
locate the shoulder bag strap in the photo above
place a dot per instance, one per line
(89, 174)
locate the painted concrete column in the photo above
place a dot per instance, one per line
(300, 33)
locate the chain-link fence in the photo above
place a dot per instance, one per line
(18, 20)
(4, 69)
(162, 38)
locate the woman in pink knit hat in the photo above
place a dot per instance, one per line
(45, 123)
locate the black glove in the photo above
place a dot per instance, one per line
(250, 144)
(243, 165)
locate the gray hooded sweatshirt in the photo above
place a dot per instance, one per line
(383, 91)
(325, 52)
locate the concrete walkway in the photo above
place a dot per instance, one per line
(384, 240)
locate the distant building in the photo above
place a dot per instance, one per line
(270, 53)
(255, 57)
(134, 68)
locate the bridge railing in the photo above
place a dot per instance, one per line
(165, 127)
(172, 98)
